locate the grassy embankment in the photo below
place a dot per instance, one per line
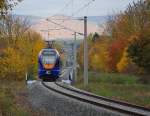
(10, 102)
(14, 100)
(118, 86)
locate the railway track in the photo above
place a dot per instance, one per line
(113, 105)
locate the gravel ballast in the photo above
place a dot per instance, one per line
(56, 104)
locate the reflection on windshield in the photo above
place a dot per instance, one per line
(49, 59)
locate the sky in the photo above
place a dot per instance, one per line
(46, 8)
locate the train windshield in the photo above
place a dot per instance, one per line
(48, 57)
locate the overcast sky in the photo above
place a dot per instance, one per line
(46, 8)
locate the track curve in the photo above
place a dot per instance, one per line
(117, 106)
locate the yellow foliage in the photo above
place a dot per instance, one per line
(38, 45)
(124, 62)
(98, 56)
(12, 65)
(21, 57)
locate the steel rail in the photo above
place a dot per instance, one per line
(102, 105)
(101, 97)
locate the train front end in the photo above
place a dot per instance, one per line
(49, 64)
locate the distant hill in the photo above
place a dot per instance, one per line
(53, 23)
(98, 19)
(94, 19)
(40, 25)
(32, 19)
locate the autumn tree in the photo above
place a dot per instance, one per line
(127, 45)
(13, 27)
(98, 55)
(121, 29)
(125, 65)
(21, 52)
(115, 52)
(12, 65)
(6, 5)
(139, 50)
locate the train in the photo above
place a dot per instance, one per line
(49, 64)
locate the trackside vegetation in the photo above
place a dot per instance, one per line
(14, 100)
(124, 46)
(19, 47)
(117, 86)
(119, 59)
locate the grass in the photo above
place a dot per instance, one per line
(118, 86)
(113, 78)
(14, 100)
(8, 103)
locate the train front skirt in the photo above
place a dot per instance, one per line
(49, 74)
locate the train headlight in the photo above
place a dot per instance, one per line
(48, 66)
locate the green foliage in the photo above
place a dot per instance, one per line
(139, 51)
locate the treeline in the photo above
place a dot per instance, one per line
(124, 45)
(19, 45)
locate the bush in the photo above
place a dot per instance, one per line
(139, 51)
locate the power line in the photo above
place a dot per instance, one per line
(53, 29)
(67, 18)
(64, 27)
(84, 6)
(77, 11)
(65, 6)
(74, 13)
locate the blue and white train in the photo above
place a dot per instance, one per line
(49, 64)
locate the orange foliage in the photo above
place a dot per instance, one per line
(115, 53)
